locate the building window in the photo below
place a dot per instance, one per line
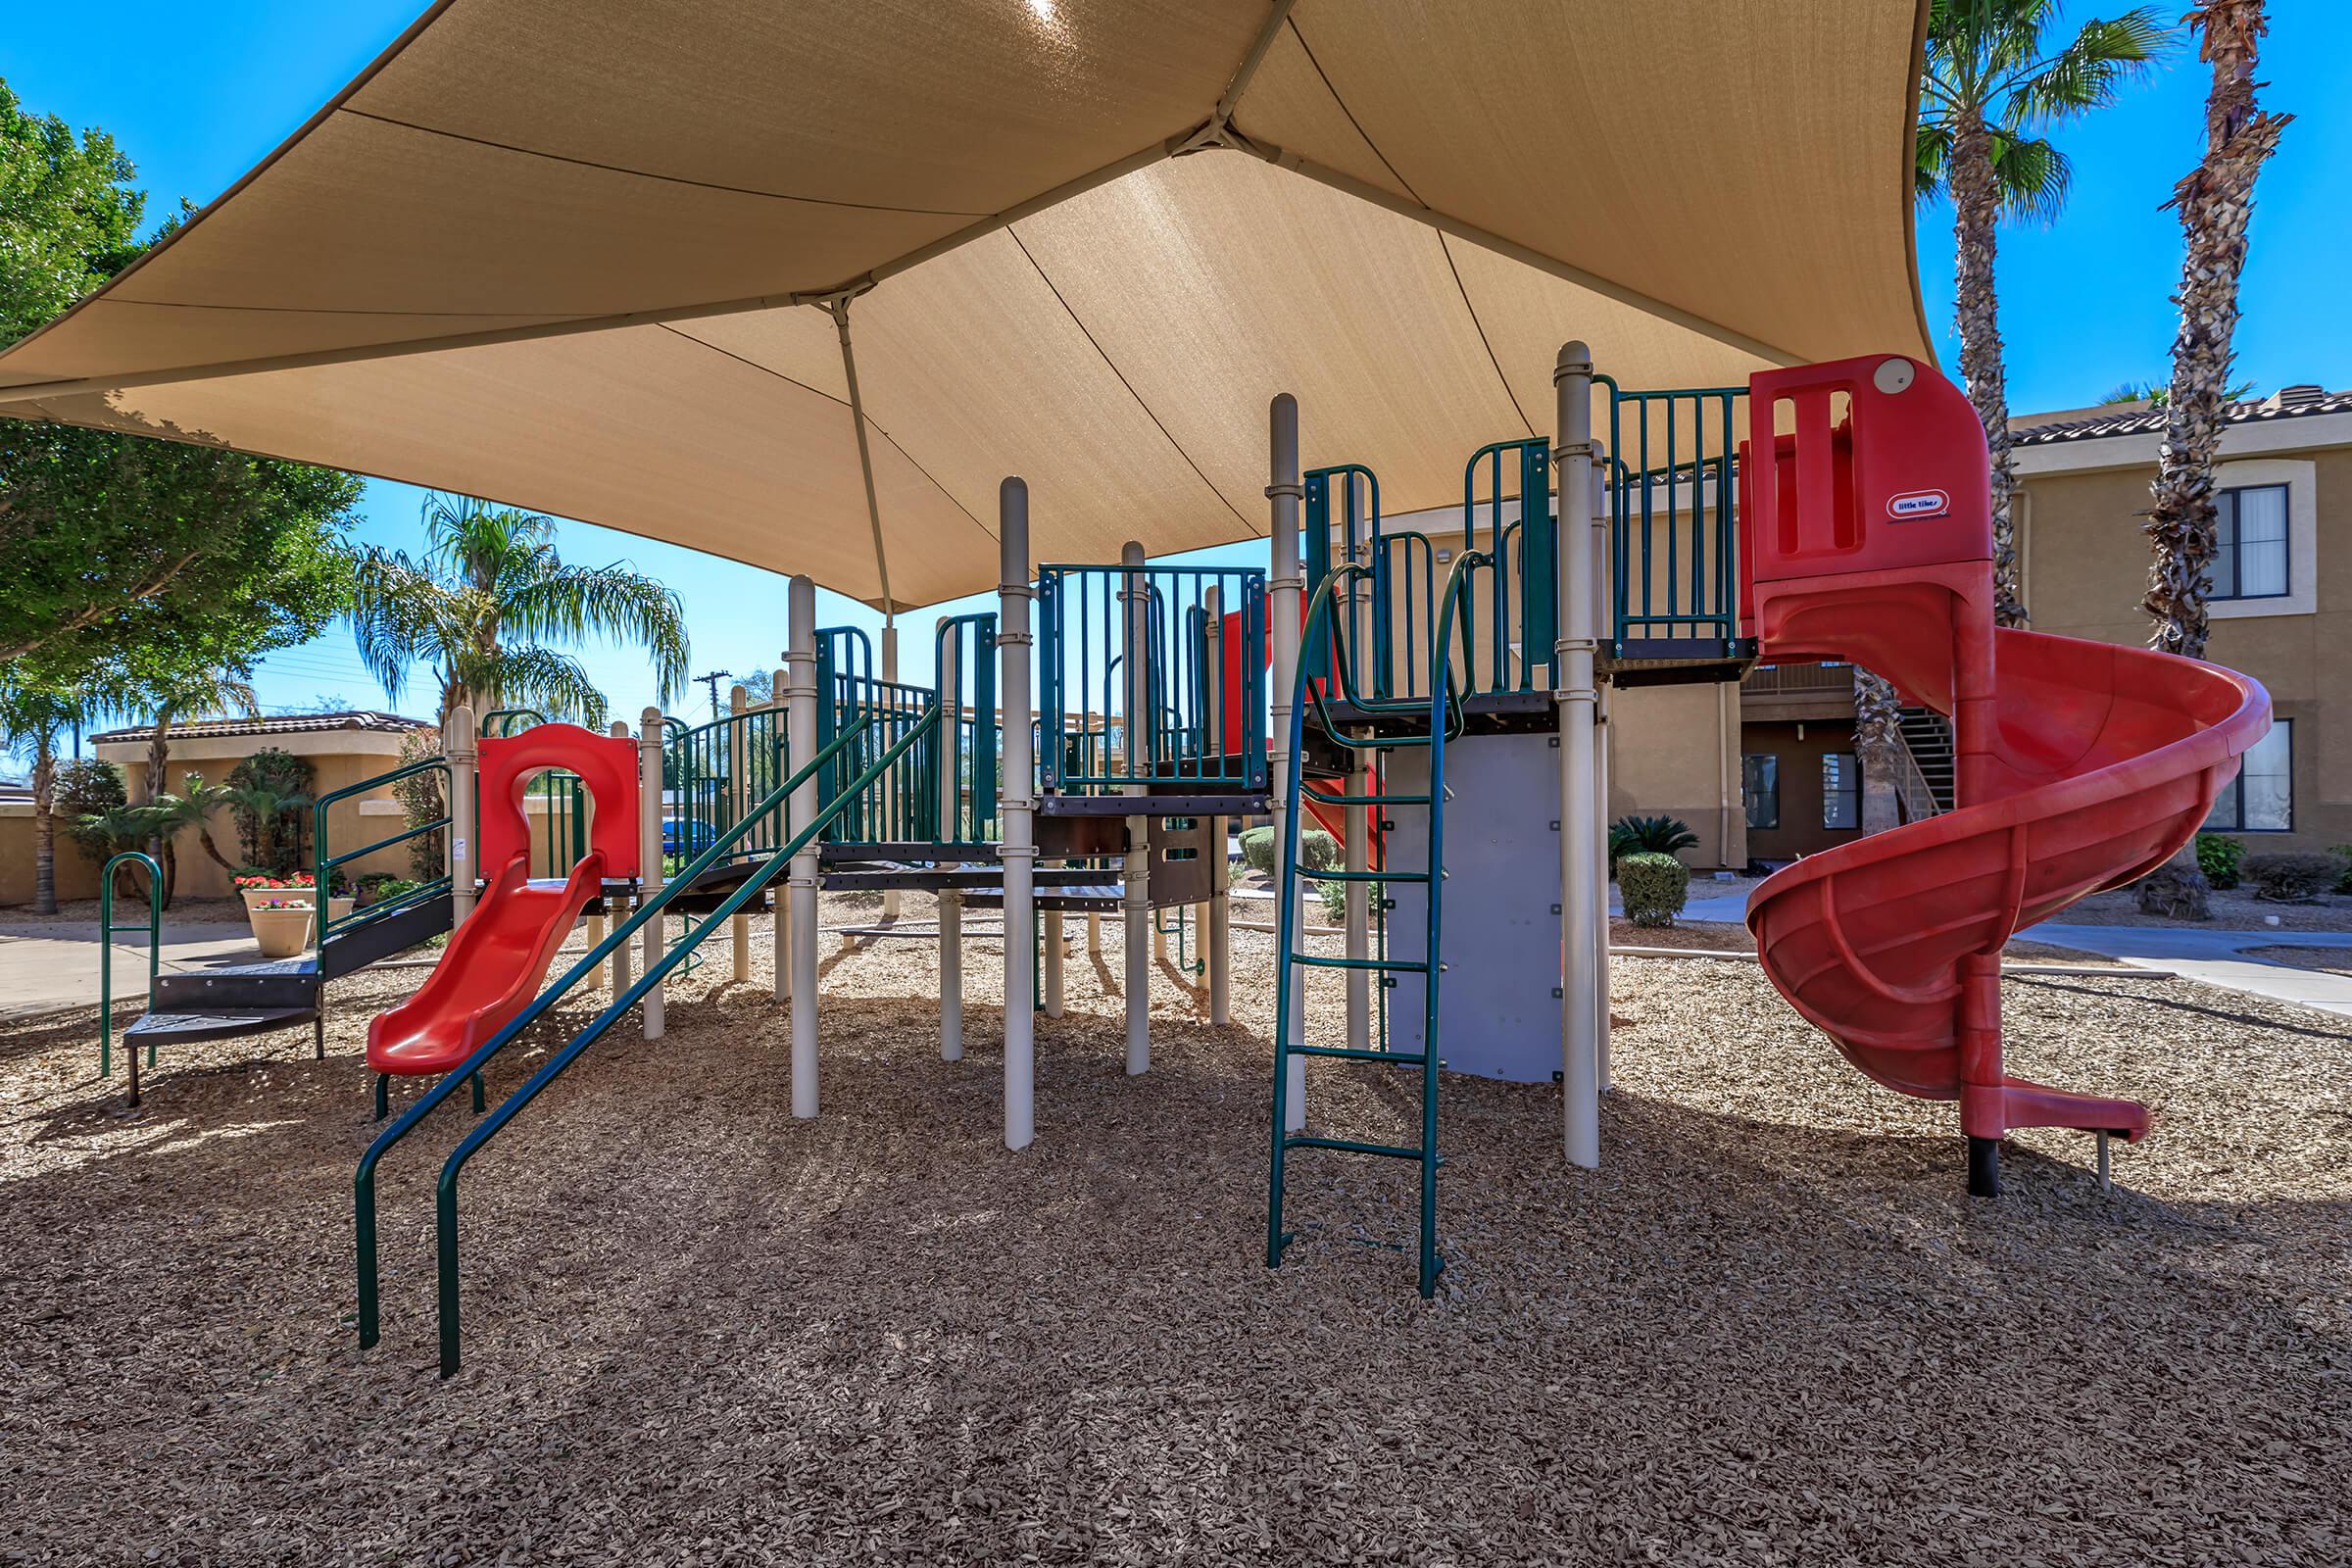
(2249, 561)
(1760, 788)
(1841, 790)
(2262, 798)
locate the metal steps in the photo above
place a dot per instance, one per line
(1929, 736)
(187, 1025)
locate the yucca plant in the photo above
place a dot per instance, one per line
(1649, 835)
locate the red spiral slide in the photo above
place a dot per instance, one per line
(2081, 766)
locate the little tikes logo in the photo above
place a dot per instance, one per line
(1913, 504)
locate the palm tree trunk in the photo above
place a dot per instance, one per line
(44, 826)
(1875, 707)
(1975, 212)
(2216, 200)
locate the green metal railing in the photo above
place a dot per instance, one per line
(1444, 718)
(965, 655)
(1506, 500)
(899, 805)
(1083, 692)
(712, 774)
(1674, 518)
(500, 722)
(106, 959)
(364, 1180)
(325, 862)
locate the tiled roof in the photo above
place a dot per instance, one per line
(2290, 403)
(284, 724)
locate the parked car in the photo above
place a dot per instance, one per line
(686, 835)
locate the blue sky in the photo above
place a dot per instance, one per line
(197, 94)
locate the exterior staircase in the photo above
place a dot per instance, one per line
(1927, 737)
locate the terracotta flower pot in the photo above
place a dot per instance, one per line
(282, 933)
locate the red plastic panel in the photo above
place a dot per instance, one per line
(1884, 468)
(608, 767)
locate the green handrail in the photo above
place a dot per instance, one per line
(364, 1180)
(323, 865)
(446, 1192)
(106, 959)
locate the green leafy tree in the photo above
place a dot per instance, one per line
(486, 601)
(115, 545)
(1996, 75)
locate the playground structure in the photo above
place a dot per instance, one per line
(1383, 703)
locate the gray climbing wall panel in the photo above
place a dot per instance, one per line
(1498, 1015)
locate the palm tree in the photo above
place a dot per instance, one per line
(490, 574)
(1991, 84)
(2216, 202)
(2157, 395)
(30, 717)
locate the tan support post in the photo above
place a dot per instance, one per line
(464, 753)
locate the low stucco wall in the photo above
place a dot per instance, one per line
(76, 873)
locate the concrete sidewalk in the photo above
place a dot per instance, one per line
(2216, 957)
(49, 965)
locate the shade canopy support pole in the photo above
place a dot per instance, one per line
(1582, 916)
(838, 307)
(1015, 807)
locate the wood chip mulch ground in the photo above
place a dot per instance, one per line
(1771, 1330)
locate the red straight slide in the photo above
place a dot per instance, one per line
(2082, 765)
(494, 966)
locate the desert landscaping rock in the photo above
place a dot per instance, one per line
(1770, 1328)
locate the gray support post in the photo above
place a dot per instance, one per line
(1283, 589)
(1216, 932)
(1015, 804)
(950, 902)
(890, 780)
(1576, 694)
(649, 857)
(1135, 594)
(621, 957)
(799, 715)
(464, 755)
(739, 785)
(779, 929)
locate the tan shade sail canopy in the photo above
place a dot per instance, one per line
(619, 260)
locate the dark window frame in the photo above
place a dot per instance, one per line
(1748, 796)
(1853, 765)
(2234, 792)
(2226, 519)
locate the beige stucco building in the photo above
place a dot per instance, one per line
(343, 749)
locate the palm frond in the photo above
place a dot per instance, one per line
(2089, 71)
(2033, 176)
(574, 602)
(556, 684)
(400, 617)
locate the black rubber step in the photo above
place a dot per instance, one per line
(276, 983)
(376, 935)
(190, 1025)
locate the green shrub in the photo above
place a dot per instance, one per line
(1318, 851)
(2343, 856)
(2289, 877)
(1649, 835)
(91, 789)
(2219, 859)
(1654, 887)
(274, 825)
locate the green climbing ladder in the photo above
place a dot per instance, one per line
(1390, 722)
